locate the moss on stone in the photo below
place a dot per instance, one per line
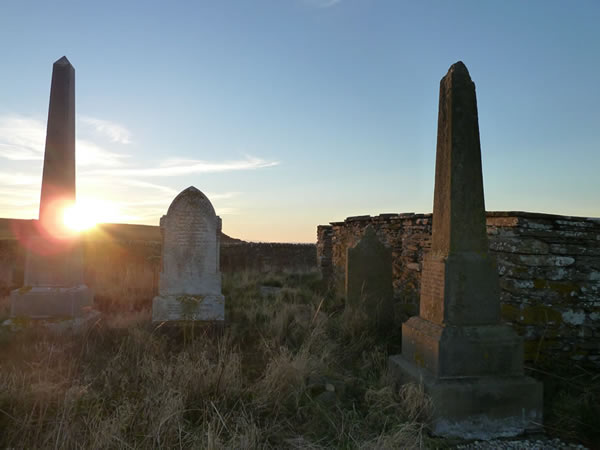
(563, 288)
(530, 315)
(510, 313)
(540, 314)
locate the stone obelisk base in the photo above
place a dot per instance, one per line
(484, 407)
(184, 308)
(474, 376)
(462, 351)
(51, 302)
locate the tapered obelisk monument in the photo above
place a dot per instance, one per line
(470, 363)
(58, 178)
(54, 285)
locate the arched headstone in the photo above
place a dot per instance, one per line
(190, 279)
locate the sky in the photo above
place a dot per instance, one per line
(288, 114)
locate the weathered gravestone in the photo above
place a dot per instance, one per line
(369, 278)
(469, 362)
(190, 280)
(54, 285)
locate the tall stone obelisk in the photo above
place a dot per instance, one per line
(470, 363)
(58, 178)
(54, 286)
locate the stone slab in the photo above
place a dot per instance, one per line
(461, 289)
(191, 241)
(458, 202)
(450, 351)
(48, 302)
(486, 407)
(54, 262)
(187, 307)
(63, 325)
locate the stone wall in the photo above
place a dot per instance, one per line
(122, 262)
(549, 268)
(267, 256)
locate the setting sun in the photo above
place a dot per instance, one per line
(85, 214)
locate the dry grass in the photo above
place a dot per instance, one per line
(288, 371)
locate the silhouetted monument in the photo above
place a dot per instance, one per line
(190, 280)
(469, 362)
(58, 178)
(53, 285)
(369, 278)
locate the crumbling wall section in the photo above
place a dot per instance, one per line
(549, 269)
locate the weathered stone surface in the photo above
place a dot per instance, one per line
(549, 286)
(462, 351)
(48, 302)
(190, 279)
(458, 206)
(58, 178)
(477, 407)
(369, 278)
(460, 289)
(53, 278)
(516, 245)
(54, 262)
(460, 280)
(457, 345)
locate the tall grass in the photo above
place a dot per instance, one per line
(290, 370)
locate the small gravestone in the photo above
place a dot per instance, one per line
(190, 280)
(369, 278)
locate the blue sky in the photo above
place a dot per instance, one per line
(294, 113)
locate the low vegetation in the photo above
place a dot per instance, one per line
(291, 369)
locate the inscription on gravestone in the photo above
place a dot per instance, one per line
(190, 280)
(432, 290)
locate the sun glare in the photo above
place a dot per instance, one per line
(86, 214)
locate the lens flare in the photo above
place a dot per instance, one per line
(87, 213)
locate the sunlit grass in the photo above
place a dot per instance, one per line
(282, 373)
(291, 369)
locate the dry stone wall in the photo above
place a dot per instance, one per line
(549, 268)
(122, 262)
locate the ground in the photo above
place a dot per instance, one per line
(292, 368)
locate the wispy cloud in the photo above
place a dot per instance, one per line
(21, 138)
(146, 185)
(19, 179)
(24, 139)
(91, 154)
(322, 3)
(113, 131)
(139, 193)
(178, 167)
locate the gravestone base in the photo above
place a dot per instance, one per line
(168, 308)
(51, 302)
(460, 351)
(485, 407)
(59, 325)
